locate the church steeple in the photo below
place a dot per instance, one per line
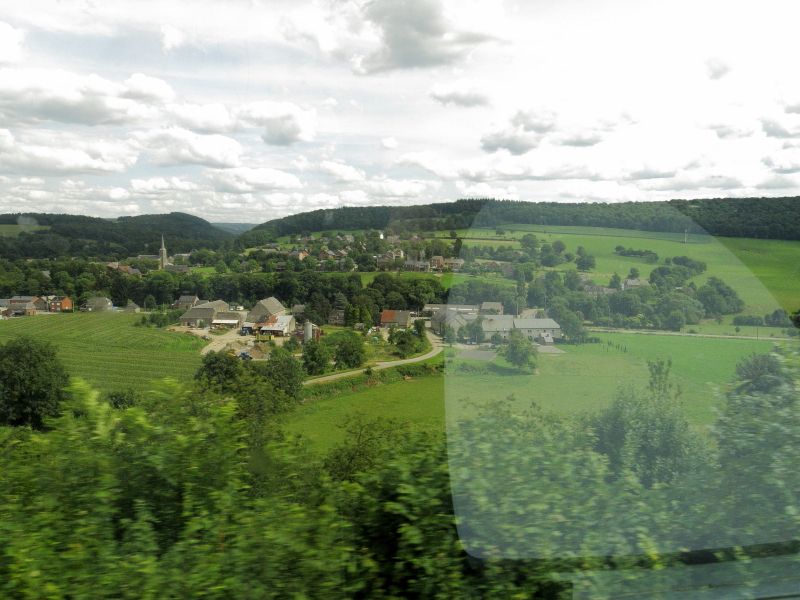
(163, 260)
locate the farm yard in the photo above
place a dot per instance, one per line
(109, 352)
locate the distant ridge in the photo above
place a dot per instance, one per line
(77, 235)
(769, 218)
(235, 228)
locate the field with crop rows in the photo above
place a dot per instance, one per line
(109, 352)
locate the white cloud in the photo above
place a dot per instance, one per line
(515, 140)
(245, 179)
(341, 173)
(716, 68)
(147, 89)
(777, 182)
(11, 41)
(483, 190)
(171, 37)
(405, 188)
(161, 185)
(538, 121)
(37, 95)
(178, 146)
(284, 123)
(206, 118)
(461, 93)
(415, 33)
(56, 152)
(388, 143)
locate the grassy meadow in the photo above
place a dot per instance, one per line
(586, 377)
(418, 401)
(108, 351)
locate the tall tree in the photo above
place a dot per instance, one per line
(519, 351)
(32, 382)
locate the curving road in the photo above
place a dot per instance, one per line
(437, 344)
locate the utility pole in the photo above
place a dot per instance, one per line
(685, 235)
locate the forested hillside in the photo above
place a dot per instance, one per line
(773, 218)
(77, 235)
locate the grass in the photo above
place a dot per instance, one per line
(109, 352)
(13, 230)
(419, 401)
(586, 377)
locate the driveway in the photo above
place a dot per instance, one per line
(437, 344)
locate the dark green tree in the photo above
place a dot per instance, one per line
(315, 357)
(350, 352)
(284, 372)
(519, 351)
(219, 369)
(32, 382)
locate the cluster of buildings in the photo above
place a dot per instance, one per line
(23, 306)
(541, 331)
(627, 284)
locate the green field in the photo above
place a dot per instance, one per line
(419, 401)
(109, 352)
(13, 230)
(586, 377)
(750, 266)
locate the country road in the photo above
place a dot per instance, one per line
(437, 344)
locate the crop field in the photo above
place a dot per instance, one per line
(765, 273)
(419, 402)
(109, 352)
(586, 377)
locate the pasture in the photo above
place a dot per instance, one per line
(587, 377)
(419, 402)
(108, 351)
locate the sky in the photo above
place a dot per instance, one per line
(245, 110)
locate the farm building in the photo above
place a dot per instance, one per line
(279, 325)
(203, 314)
(453, 318)
(20, 309)
(264, 309)
(492, 308)
(131, 308)
(298, 310)
(396, 318)
(39, 303)
(227, 320)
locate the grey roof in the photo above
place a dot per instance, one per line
(498, 323)
(22, 298)
(222, 314)
(269, 306)
(133, 304)
(492, 305)
(200, 312)
(536, 324)
(191, 298)
(216, 304)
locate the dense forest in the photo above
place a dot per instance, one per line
(77, 235)
(773, 218)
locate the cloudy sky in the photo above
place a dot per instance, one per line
(243, 111)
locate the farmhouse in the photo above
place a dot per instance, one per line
(185, 302)
(336, 317)
(57, 303)
(501, 324)
(396, 318)
(39, 303)
(453, 318)
(634, 283)
(539, 330)
(454, 263)
(131, 308)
